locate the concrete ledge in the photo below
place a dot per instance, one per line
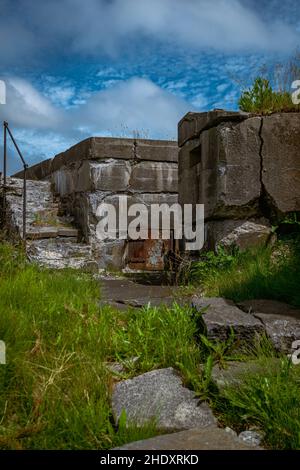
(192, 124)
(103, 148)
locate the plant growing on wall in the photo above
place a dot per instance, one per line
(262, 99)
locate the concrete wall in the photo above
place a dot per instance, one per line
(244, 168)
(99, 170)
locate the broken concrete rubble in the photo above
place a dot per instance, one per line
(159, 396)
(222, 315)
(239, 233)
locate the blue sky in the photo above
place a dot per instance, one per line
(130, 67)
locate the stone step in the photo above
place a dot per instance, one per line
(37, 233)
(51, 240)
(60, 252)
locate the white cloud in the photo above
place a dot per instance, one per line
(95, 27)
(135, 105)
(27, 107)
(61, 95)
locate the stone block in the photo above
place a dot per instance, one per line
(63, 181)
(109, 254)
(243, 234)
(160, 396)
(220, 315)
(281, 321)
(154, 177)
(110, 147)
(78, 152)
(281, 161)
(39, 171)
(111, 175)
(156, 150)
(222, 170)
(192, 124)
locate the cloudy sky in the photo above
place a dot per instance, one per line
(77, 68)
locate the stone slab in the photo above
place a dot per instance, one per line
(154, 177)
(281, 161)
(209, 438)
(221, 315)
(156, 150)
(223, 171)
(160, 396)
(192, 124)
(243, 234)
(281, 321)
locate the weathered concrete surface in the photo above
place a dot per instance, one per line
(39, 200)
(113, 175)
(116, 176)
(159, 395)
(209, 438)
(281, 161)
(223, 170)
(105, 148)
(101, 170)
(36, 233)
(221, 315)
(242, 167)
(59, 253)
(281, 321)
(192, 124)
(124, 293)
(239, 233)
(48, 245)
(112, 253)
(154, 177)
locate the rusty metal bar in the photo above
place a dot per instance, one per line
(24, 203)
(4, 153)
(15, 144)
(25, 166)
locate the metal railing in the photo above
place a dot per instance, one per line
(7, 130)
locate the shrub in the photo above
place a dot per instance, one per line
(262, 99)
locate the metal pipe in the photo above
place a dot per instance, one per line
(4, 153)
(15, 144)
(24, 203)
(25, 166)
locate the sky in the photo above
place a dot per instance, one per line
(75, 69)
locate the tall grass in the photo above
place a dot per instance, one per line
(55, 389)
(269, 400)
(266, 273)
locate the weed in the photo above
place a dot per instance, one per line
(262, 99)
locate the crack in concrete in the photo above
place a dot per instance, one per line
(267, 204)
(262, 186)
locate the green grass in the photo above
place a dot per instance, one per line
(262, 99)
(265, 273)
(55, 389)
(268, 401)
